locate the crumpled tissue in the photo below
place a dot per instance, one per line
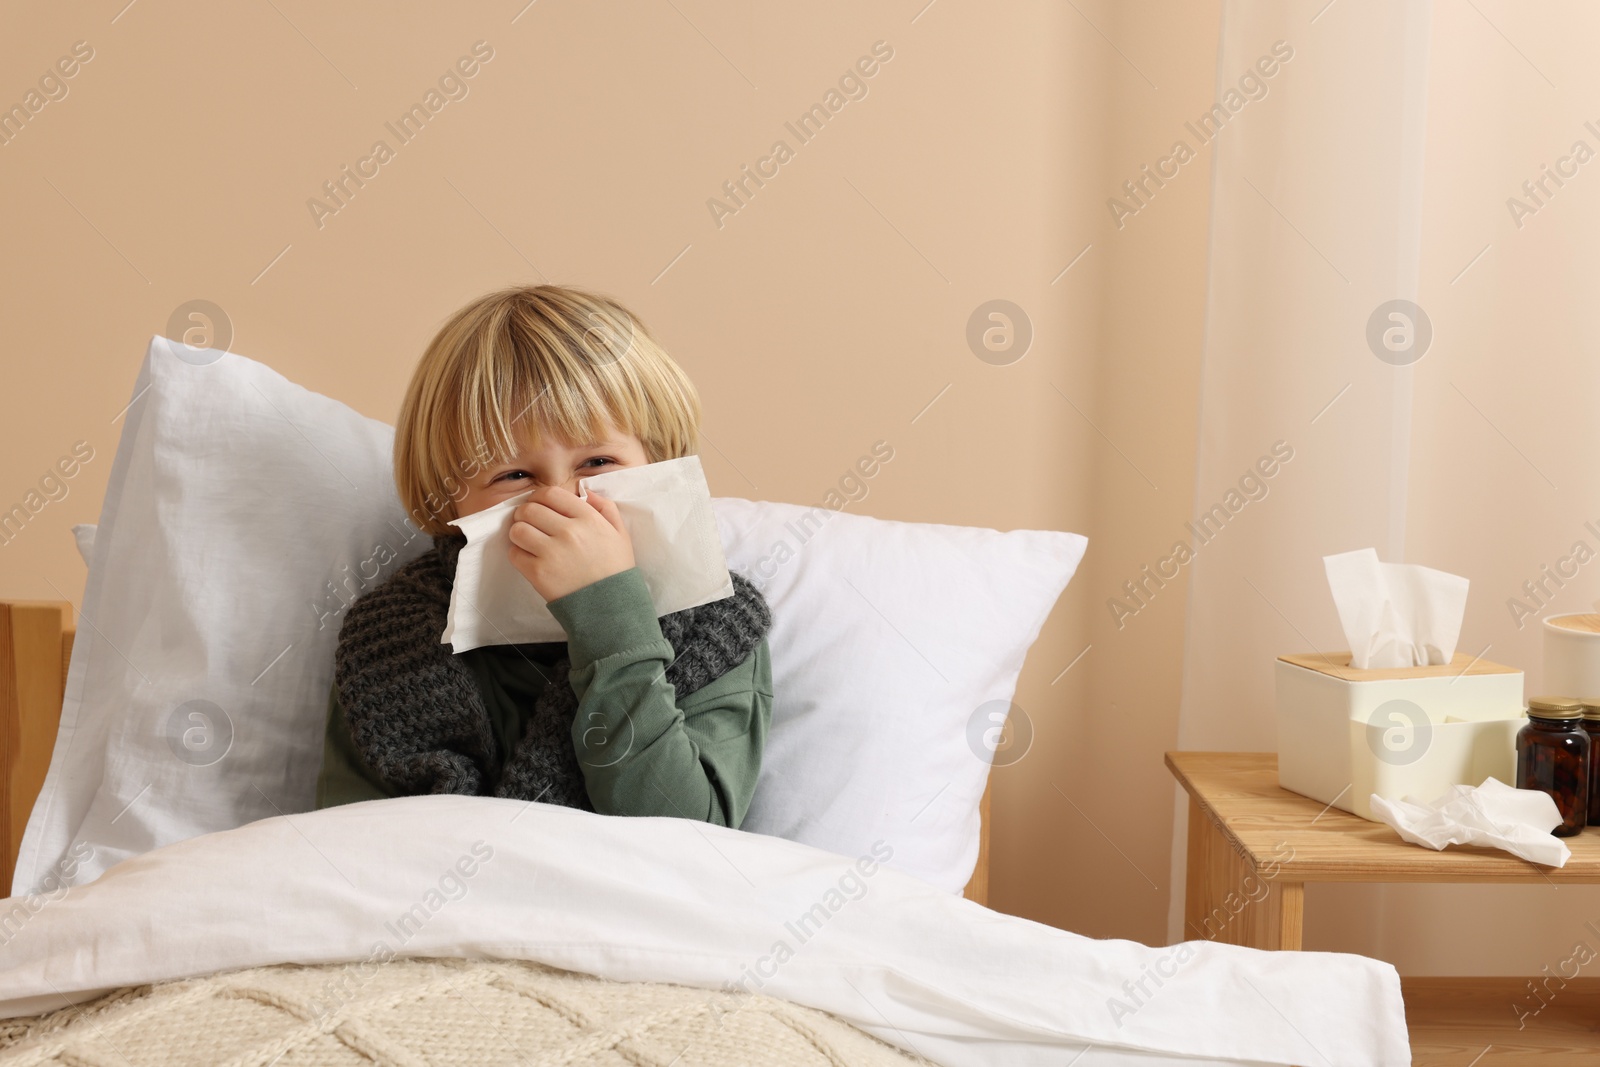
(666, 509)
(1396, 614)
(1492, 814)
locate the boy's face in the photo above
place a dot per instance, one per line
(552, 463)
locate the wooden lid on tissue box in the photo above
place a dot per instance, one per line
(1337, 664)
(1589, 624)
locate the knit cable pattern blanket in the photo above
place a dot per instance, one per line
(436, 1012)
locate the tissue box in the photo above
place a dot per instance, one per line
(1346, 733)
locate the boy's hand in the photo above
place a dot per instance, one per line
(562, 542)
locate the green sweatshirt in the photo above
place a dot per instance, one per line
(694, 760)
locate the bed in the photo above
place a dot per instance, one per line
(187, 910)
(414, 1012)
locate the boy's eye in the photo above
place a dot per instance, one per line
(519, 475)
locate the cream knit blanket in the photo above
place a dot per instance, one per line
(429, 1013)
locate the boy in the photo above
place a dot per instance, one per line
(536, 387)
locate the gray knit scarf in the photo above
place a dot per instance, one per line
(414, 711)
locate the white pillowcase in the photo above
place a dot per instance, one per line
(83, 537)
(244, 512)
(890, 642)
(197, 694)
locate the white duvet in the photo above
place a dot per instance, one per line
(678, 901)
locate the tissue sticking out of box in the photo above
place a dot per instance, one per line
(1396, 614)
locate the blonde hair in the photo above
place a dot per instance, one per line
(563, 361)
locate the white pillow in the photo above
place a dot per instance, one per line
(890, 642)
(238, 506)
(239, 503)
(83, 537)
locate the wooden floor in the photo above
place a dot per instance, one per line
(1472, 1022)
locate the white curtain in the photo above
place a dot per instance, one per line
(1385, 162)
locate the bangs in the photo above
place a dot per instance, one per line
(515, 390)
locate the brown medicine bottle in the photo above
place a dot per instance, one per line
(1591, 723)
(1553, 757)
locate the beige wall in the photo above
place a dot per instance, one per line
(1084, 824)
(825, 314)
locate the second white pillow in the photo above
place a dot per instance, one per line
(894, 644)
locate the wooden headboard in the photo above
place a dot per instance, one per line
(35, 648)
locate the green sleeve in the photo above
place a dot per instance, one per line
(643, 753)
(344, 778)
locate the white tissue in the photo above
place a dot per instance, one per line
(1396, 614)
(666, 508)
(1492, 814)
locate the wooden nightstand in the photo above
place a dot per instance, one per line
(1253, 846)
